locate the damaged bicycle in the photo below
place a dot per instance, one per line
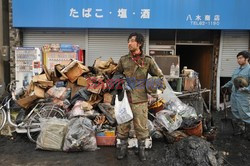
(30, 123)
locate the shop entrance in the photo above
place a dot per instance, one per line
(195, 48)
(198, 58)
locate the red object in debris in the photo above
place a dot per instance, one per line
(105, 140)
(195, 130)
(81, 56)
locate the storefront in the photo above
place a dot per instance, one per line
(103, 43)
(196, 31)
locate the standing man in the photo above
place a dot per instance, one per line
(240, 96)
(136, 66)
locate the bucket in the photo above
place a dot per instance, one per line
(194, 130)
(105, 140)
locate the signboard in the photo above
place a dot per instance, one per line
(27, 64)
(54, 58)
(144, 14)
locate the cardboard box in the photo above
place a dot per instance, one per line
(30, 89)
(76, 71)
(39, 92)
(41, 77)
(107, 67)
(189, 84)
(47, 72)
(74, 88)
(42, 80)
(27, 101)
(107, 98)
(82, 81)
(46, 84)
(58, 72)
(95, 88)
(95, 99)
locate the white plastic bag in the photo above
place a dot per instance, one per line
(123, 111)
(53, 131)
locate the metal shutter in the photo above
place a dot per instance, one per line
(108, 43)
(232, 42)
(39, 37)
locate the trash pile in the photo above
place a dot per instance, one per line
(191, 151)
(88, 95)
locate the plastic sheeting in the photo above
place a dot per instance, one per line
(52, 134)
(80, 136)
(169, 120)
(175, 104)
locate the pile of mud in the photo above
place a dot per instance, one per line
(192, 151)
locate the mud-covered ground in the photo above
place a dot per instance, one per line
(235, 148)
(19, 151)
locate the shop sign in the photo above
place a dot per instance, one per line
(146, 14)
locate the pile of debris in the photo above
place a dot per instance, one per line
(89, 92)
(72, 82)
(192, 151)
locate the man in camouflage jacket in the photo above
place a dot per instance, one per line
(136, 66)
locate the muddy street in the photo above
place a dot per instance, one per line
(235, 148)
(20, 151)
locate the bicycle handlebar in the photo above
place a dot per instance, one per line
(12, 87)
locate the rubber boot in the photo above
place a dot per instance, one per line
(141, 148)
(247, 135)
(122, 149)
(238, 127)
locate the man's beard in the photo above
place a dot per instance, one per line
(132, 49)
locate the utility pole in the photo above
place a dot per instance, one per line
(1, 45)
(4, 45)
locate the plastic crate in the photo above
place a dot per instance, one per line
(105, 140)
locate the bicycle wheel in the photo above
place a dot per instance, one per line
(53, 111)
(33, 128)
(2, 118)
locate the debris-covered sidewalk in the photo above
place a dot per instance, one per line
(19, 151)
(88, 96)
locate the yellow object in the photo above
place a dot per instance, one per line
(157, 104)
(109, 133)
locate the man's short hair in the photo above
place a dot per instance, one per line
(245, 54)
(139, 38)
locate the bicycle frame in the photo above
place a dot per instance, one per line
(20, 128)
(3, 116)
